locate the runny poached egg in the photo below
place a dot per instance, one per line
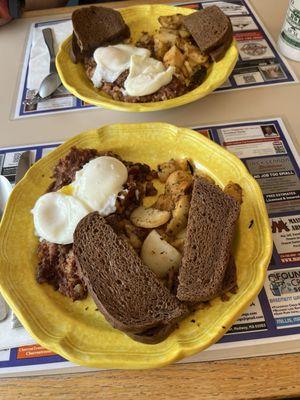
(95, 188)
(113, 60)
(56, 215)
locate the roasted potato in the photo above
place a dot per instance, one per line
(159, 255)
(165, 170)
(132, 248)
(193, 54)
(183, 164)
(165, 36)
(180, 214)
(184, 33)
(145, 40)
(149, 217)
(131, 235)
(179, 240)
(187, 70)
(160, 48)
(180, 43)
(171, 21)
(234, 190)
(178, 184)
(164, 203)
(174, 58)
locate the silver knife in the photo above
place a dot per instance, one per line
(23, 166)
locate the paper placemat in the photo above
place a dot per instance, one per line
(259, 62)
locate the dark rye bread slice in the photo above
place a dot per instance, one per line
(218, 53)
(128, 293)
(210, 230)
(95, 26)
(208, 27)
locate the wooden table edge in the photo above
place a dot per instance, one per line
(265, 377)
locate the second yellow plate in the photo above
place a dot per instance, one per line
(139, 19)
(74, 329)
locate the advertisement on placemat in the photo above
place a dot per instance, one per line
(252, 320)
(283, 291)
(259, 63)
(274, 316)
(286, 236)
(9, 163)
(279, 182)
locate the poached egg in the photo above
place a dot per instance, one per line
(146, 76)
(56, 215)
(98, 183)
(113, 60)
(95, 188)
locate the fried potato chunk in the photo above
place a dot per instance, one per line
(165, 169)
(179, 240)
(164, 203)
(178, 183)
(234, 190)
(174, 58)
(149, 217)
(193, 54)
(180, 214)
(171, 21)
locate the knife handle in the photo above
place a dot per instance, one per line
(48, 37)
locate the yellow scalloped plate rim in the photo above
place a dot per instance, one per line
(140, 18)
(78, 332)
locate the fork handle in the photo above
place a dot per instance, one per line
(48, 37)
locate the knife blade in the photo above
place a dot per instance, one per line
(23, 165)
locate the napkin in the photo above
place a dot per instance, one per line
(39, 59)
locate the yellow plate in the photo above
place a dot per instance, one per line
(140, 18)
(82, 335)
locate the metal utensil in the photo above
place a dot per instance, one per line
(52, 81)
(5, 190)
(23, 165)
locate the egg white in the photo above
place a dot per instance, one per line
(146, 76)
(56, 216)
(112, 61)
(98, 183)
